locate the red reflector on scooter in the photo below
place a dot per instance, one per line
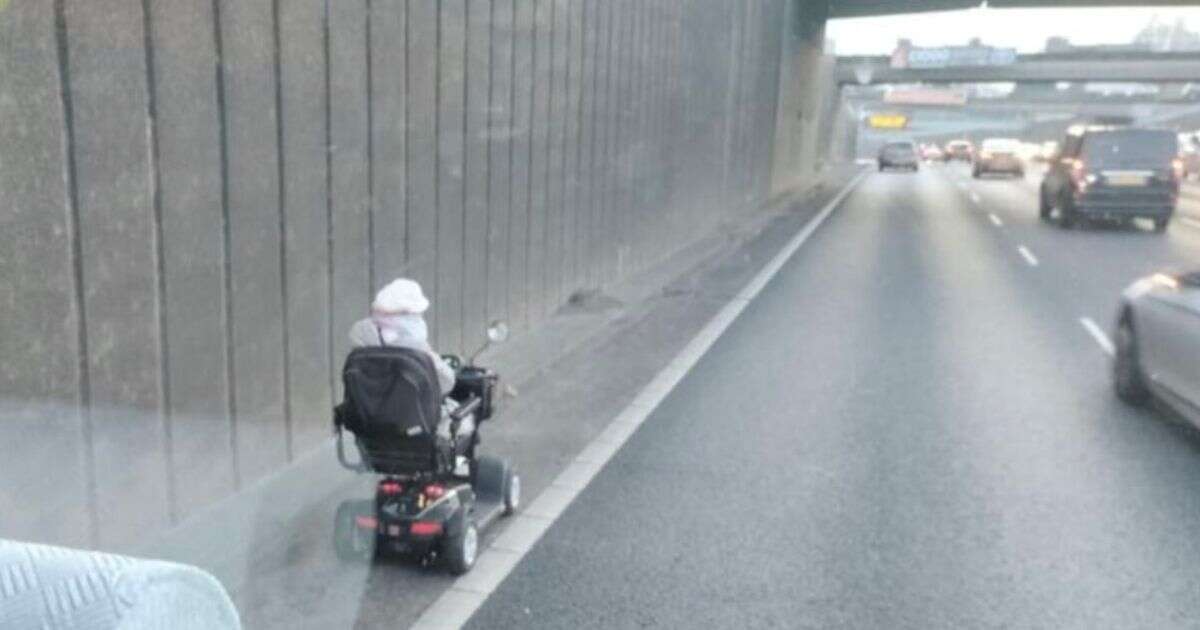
(425, 528)
(366, 522)
(390, 487)
(434, 491)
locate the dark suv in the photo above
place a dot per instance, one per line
(1113, 172)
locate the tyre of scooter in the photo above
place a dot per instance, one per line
(460, 547)
(496, 479)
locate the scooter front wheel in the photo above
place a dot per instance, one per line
(512, 492)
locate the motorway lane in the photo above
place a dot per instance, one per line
(905, 429)
(1088, 266)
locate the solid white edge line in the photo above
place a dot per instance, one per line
(975, 197)
(1098, 334)
(455, 606)
(1028, 256)
(995, 220)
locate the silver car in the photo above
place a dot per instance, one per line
(1158, 343)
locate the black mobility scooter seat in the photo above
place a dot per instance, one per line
(393, 407)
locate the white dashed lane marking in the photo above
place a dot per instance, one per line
(1098, 334)
(1028, 256)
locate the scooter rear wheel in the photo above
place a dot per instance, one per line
(461, 549)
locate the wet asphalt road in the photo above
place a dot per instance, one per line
(908, 428)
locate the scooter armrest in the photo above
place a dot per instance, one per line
(466, 409)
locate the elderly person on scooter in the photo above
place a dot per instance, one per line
(397, 320)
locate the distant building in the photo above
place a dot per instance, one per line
(1161, 37)
(1154, 37)
(1060, 44)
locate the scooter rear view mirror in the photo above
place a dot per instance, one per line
(497, 332)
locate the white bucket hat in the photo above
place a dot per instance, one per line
(400, 296)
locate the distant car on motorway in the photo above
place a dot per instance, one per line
(959, 150)
(1157, 343)
(998, 155)
(1047, 152)
(1028, 151)
(931, 153)
(1113, 172)
(899, 155)
(1189, 154)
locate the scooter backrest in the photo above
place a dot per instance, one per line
(392, 393)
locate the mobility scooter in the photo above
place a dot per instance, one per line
(436, 493)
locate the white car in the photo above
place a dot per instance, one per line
(998, 155)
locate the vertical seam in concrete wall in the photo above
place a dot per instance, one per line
(512, 120)
(487, 184)
(576, 240)
(745, 99)
(611, 106)
(627, 134)
(600, 151)
(462, 287)
(620, 114)
(407, 149)
(776, 85)
(653, 130)
(593, 211)
(567, 279)
(283, 260)
(164, 381)
(546, 197)
(437, 155)
(645, 210)
(226, 243)
(732, 87)
(606, 155)
(533, 66)
(370, 157)
(329, 200)
(63, 57)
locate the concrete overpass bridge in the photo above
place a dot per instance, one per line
(1044, 68)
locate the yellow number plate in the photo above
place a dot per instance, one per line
(1126, 179)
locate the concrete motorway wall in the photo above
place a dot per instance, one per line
(200, 197)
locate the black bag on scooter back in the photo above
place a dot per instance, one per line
(391, 396)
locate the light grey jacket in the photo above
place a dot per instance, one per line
(402, 331)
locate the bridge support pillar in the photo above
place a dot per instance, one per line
(805, 82)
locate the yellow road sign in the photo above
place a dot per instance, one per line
(887, 121)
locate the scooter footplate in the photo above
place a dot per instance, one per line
(487, 511)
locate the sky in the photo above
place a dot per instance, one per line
(1024, 29)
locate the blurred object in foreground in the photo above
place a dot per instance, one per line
(65, 589)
